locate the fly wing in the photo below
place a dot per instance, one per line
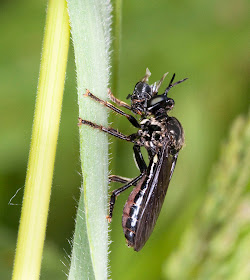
(157, 185)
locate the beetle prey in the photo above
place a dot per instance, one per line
(163, 137)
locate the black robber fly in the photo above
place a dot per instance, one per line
(163, 137)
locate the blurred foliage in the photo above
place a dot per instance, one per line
(205, 41)
(216, 245)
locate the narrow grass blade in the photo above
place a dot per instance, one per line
(90, 27)
(35, 206)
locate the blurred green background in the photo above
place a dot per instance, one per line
(206, 41)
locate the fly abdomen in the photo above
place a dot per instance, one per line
(131, 224)
(130, 237)
(132, 211)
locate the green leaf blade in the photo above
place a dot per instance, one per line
(90, 27)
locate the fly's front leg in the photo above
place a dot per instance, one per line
(115, 193)
(109, 130)
(132, 119)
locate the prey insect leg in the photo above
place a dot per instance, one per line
(118, 101)
(132, 120)
(115, 193)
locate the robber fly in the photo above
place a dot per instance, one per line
(163, 137)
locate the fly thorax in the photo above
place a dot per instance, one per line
(174, 133)
(151, 134)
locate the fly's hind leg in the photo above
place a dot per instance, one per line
(115, 193)
(119, 179)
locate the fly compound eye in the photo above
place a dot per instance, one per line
(156, 103)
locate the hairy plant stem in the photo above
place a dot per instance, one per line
(90, 27)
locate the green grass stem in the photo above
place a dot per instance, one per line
(90, 27)
(37, 191)
(117, 45)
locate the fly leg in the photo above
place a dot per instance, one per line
(113, 178)
(119, 179)
(139, 158)
(115, 193)
(132, 119)
(109, 130)
(140, 162)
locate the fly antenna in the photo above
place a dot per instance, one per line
(171, 80)
(172, 85)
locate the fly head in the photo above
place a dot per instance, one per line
(159, 105)
(145, 99)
